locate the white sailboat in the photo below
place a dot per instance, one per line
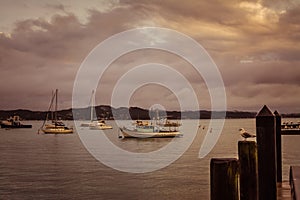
(56, 126)
(95, 124)
(89, 123)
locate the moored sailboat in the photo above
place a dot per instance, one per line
(95, 124)
(56, 126)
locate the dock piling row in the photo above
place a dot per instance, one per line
(259, 166)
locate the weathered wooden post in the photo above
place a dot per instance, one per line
(266, 152)
(295, 182)
(278, 146)
(248, 170)
(224, 179)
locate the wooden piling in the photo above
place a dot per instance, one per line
(278, 146)
(224, 179)
(266, 153)
(295, 182)
(248, 170)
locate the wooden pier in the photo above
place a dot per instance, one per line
(259, 171)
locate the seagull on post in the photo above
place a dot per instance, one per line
(245, 134)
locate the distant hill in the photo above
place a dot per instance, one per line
(107, 112)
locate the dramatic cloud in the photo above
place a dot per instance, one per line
(255, 44)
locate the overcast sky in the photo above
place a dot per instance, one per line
(255, 45)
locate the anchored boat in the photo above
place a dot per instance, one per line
(95, 124)
(14, 122)
(144, 129)
(56, 126)
(290, 128)
(99, 125)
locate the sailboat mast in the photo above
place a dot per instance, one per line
(92, 105)
(56, 91)
(50, 108)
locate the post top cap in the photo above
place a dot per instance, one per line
(276, 113)
(265, 112)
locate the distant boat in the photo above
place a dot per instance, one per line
(95, 124)
(56, 126)
(14, 122)
(290, 125)
(144, 129)
(290, 128)
(99, 125)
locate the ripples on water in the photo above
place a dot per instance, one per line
(39, 166)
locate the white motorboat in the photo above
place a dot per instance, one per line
(144, 129)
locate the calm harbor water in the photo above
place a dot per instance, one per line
(39, 166)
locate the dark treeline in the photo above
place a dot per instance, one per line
(107, 112)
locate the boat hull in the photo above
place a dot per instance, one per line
(126, 133)
(57, 131)
(16, 126)
(100, 127)
(85, 124)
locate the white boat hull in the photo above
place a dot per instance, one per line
(87, 124)
(126, 133)
(100, 127)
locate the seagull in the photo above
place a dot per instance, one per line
(245, 134)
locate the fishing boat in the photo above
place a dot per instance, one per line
(56, 126)
(144, 129)
(95, 124)
(14, 122)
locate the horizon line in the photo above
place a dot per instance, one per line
(140, 108)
